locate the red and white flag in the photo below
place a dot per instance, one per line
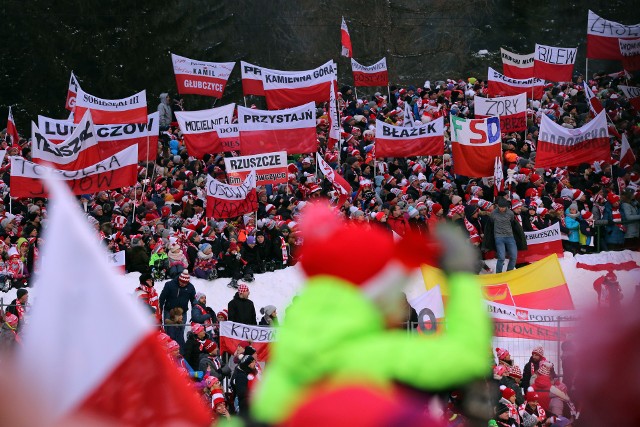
(559, 146)
(119, 170)
(71, 93)
(293, 88)
(541, 244)
(12, 130)
(594, 103)
(292, 130)
(498, 176)
(370, 75)
(334, 119)
(200, 77)
(56, 130)
(554, 63)
(475, 144)
(339, 183)
(630, 51)
(603, 35)
(230, 201)
(516, 66)
(114, 368)
(132, 109)
(229, 137)
(79, 151)
(426, 139)
(345, 39)
(232, 334)
(501, 85)
(512, 111)
(199, 129)
(632, 93)
(627, 157)
(270, 168)
(251, 79)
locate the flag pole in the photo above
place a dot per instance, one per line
(355, 90)
(389, 93)
(586, 69)
(245, 103)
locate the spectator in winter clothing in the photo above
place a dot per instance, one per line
(174, 326)
(210, 363)
(615, 230)
(9, 333)
(194, 344)
(511, 379)
(251, 255)
(202, 314)
(241, 308)
(537, 355)
(178, 292)
(149, 296)
(270, 316)
(18, 306)
(164, 111)
(233, 264)
(240, 383)
(205, 263)
(136, 257)
(504, 234)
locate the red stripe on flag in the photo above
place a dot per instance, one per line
(229, 345)
(147, 147)
(199, 144)
(293, 141)
(225, 208)
(200, 85)
(557, 155)
(528, 330)
(510, 123)
(371, 79)
(603, 47)
(475, 161)
(553, 72)
(429, 146)
(496, 88)
(517, 72)
(252, 87)
(101, 117)
(555, 298)
(278, 99)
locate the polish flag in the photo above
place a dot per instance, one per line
(12, 130)
(334, 119)
(232, 334)
(554, 63)
(200, 77)
(105, 368)
(199, 129)
(627, 157)
(498, 177)
(632, 93)
(71, 93)
(475, 144)
(501, 85)
(603, 35)
(594, 103)
(292, 130)
(132, 109)
(230, 201)
(339, 183)
(425, 139)
(370, 75)
(346, 40)
(293, 88)
(516, 66)
(251, 79)
(560, 147)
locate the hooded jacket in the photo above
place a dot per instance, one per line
(164, 111)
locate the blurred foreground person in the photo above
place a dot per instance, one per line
(353, 294)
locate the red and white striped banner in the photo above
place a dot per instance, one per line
(426, 139)
(603, 35)
(516, 66)
(542, 243)
(229, 137)
(293, 88)
(334, 119)
(530, 323)
(232, 334)
(132, 109)
(559, 146)
(200, 129)
(292, 130)
(230, 201)
(339, 183)
(12, 130)
(633, 95)
(371, 75)
(475, 144)
(251, 79)
(554, 63)
(119, 170)
(627, 157)
(501, 85)
(200, 77)
(270, 168)
(71, 93)
(345, 39)
(79, 151)
(111, 138)
(594, 103)
(512, 111)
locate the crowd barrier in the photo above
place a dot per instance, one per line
(601, 235)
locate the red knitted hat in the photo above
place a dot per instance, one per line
(507, 393)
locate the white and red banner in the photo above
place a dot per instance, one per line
(334, 119)
(512, 111)
(516, 66)
(594, 103)
(498, 177)
(119, 170)
(426, 139)
(79, 151)
(370, 75)
(630, 51)
(229, 137)
(339, 183)
(230, 201)
(475, 144)
(97, 360)
(270, 168)
(117, 260)
(627, 157)
(232, 334)
(71, 93)
(293, 88)
(111, 138)
(559, 146)
(12, 130)
(603, 35)
(542, 243)
(200, 77)
(292, 130)
(199, 129)
(251, 79)
(501, 85)
(132, 109)
(511, 321)
(345, 40)
(632, 93)
(554, 63)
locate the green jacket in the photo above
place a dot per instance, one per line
(333, 332)
(155, 257)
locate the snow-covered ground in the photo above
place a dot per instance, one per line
(278, 289)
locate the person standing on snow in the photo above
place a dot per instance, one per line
(241, 308)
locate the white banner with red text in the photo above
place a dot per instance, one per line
(370, 75)
(201, 77)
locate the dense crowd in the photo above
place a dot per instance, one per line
(161, 224)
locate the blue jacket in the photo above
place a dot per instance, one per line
(613, 234)
(174, 146)
(574, 227)
(173, 295)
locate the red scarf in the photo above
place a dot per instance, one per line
(474, 236)
(20, 309)
(283, 247)
(617, 217)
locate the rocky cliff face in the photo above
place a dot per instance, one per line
(117, 48)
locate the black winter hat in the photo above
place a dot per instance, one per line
(21, 292)
(144, 277)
